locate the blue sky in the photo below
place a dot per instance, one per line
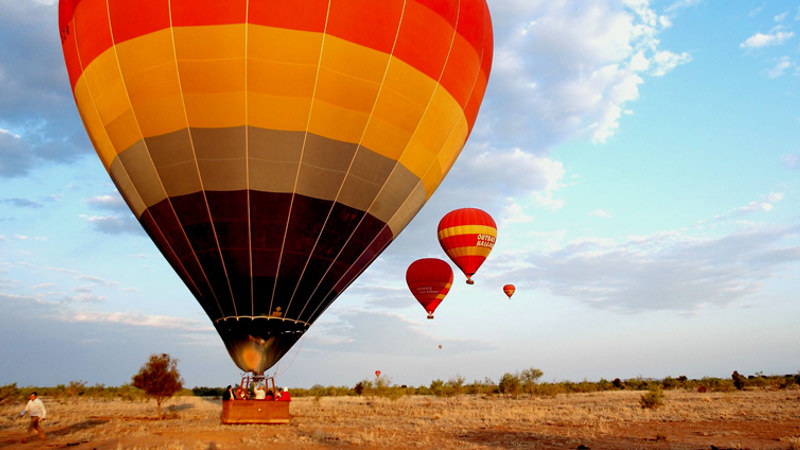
(641, 159)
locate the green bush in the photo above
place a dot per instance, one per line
(510, 385)
(653, 398)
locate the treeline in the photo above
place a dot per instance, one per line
(515, 385)
(11, 392)
(526, 383)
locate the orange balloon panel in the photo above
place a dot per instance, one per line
(509, 289)
(429, 280)
(467, 235)
(270, 148)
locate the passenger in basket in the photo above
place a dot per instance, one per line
(228, 394)
(261, 394)
(241, 394)
(284, 396)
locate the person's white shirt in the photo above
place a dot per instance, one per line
(35, 408)
(261, 394)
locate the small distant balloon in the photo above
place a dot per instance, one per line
(509, 289)
(377, 373)
(440, 345)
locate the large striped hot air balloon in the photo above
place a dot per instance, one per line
(271, 148)
(429, 280)
(467, 235)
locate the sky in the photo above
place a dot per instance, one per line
(641, 159)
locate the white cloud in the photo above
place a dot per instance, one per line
(682, 4)
(135, 319)
(567, 70)
(600, 213)
(107, 201)
(515, 213)
(665, 271)
(759, 40)
(792, 161)
(666, 60)
(522, 173)
(24, 237)
(780, 67)
(114, 224)
(765, 204)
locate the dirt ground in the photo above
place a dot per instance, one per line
(610, 420)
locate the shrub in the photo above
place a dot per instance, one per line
(653, 398)
(510, 384)
(738, 380)
(437, 388)
(8, 393)
(364, 387)
(203, 391)
(454, 386)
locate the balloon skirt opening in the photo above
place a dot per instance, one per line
(256, 344)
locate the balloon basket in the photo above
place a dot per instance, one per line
(470, 281)
(256, 411)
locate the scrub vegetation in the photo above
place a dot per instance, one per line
(517, 411)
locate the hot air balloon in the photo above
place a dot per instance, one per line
(429, 280)
(509, 289)
(440, 346)
(377, 373)
(273, 149)
(467, 235)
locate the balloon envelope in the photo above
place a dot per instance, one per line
(467, 235)
(429, 280)
(272, 149)
(509, 289)
(377, 373)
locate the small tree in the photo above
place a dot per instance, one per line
(159, 378)
(529, 378)
(510, 385)
(738, 380)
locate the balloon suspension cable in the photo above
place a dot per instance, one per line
(297, 352)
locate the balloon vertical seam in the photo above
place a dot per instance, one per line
(117, 157)
(197, 165)
(247, 151)
(302, 153)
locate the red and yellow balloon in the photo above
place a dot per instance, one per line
(429, 280)
(509, 290)
(467, 235)
(270, 148)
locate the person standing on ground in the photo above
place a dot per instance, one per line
(35, 409)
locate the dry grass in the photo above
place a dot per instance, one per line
(687, 420)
